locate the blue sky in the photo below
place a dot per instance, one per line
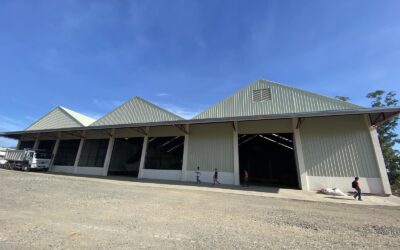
(91, 56)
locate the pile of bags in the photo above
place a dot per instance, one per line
(332, 191)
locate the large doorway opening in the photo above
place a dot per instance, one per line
(125, 158)
(46, 145)
(165, 153)
(269, 159)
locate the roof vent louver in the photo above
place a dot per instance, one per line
(260, 95)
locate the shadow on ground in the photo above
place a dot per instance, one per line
(263, 189)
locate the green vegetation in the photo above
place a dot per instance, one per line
(387, 134)
(388, 137)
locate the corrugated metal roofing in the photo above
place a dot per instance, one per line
(60, 117)
(83, 119)
(136, 111)
(278, 99)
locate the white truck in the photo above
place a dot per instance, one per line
(27, 159)
(2, 155)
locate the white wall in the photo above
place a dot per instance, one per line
(174, 175)
(207, 177)
(63, 169)
(80, 170)
(367, 185)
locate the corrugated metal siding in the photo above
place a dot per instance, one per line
(53, 120)
(211, 146)
(284, 99)
(265, 126)
(338, 146)
(134, 111)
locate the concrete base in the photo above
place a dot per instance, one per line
(63, 169)
(208, 177)
(368, 185)
(173, 175)
(80, 170)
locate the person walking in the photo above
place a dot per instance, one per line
(216, 177)
(356, 185)
(198, 173)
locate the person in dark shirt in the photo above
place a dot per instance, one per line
(216, 177)
(198, 173)
(356, 185)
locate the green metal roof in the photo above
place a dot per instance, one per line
(269, 98)
(136, 111)
(61, 117)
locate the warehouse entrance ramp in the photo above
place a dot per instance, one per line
(125, 158)
(269, 159)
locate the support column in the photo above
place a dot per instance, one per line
(185, 154)
(236, 172)
(36, 145)
(379, 157)
(301, 169)
(78, 154)
(55, 149)
(143, 155)
(110, 147)
(18, 144)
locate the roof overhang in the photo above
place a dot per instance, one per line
(376, 116)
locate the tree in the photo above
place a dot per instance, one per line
(387, 135)
(342, 98)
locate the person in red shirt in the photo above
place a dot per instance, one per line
(356, 185)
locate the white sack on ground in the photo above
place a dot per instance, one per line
(332, 191)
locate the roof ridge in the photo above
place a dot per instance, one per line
(61, 108)
(158, 107)
(73, 113)
(226, 98)
(137, 101)
(335, 102)
(43, 116)
(309, 92)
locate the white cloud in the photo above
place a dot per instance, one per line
(93, 115)
(10, 124)
(181, 111)
(162, 94)
(30, 118)
(7, 143)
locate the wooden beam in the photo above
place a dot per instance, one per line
(105, 131)
(181, 128)
(140, 130)
(385, 119)
(377, 119)
(299, 121)
(70, 133)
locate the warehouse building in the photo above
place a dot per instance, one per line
(282, 136)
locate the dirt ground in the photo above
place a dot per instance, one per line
(45, 211)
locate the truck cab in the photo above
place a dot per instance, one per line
(40, 160)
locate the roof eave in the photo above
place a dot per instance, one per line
(388, 112)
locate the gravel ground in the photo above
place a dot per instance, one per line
(43, 211)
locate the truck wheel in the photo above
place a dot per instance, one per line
(26, 168)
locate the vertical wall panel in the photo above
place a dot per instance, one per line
(338, 146)
(211, 146)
